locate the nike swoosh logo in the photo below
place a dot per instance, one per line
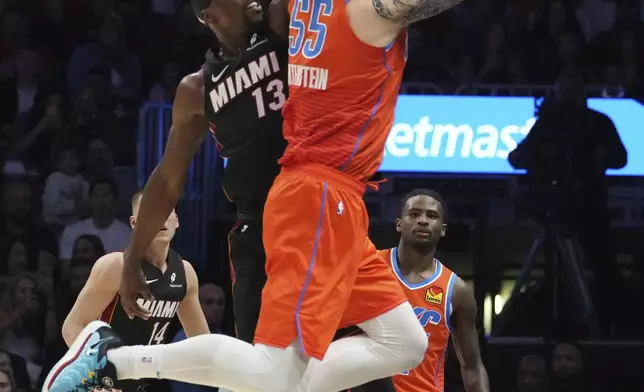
(93, 350)
(151, 281)
(216, 78)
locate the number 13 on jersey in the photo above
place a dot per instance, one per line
(307, 32)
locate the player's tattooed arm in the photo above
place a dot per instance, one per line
(405, 12)
(465, 338)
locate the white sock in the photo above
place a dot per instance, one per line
(213, 360)
(394, 342)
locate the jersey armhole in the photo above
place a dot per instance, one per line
(365, 47)
(448, 302)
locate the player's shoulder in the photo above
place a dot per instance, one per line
(192, 83)
(112, 260)
(192, 279)
(187, 266)
(107, 270)
(190, 91)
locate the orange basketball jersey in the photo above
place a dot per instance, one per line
(431, 301)
(342, 92)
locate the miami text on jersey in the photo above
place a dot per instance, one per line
(243, 79)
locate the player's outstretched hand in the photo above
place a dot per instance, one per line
(133, 286)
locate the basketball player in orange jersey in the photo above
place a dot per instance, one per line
(345, 68)
(442, 302)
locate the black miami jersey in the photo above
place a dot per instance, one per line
(168, 289)
(244, 96)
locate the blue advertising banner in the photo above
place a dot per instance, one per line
(451, 134)
(474, 135)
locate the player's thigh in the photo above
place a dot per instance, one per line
(247, 267)
(312, 236)
(376, 289)
(246, 249)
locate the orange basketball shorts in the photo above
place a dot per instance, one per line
(323, 271)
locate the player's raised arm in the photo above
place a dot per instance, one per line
(99, 290)
(278, 17)
(404, 12)
(190, 313)
(466, 341)
(164, 187)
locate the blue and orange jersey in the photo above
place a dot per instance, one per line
(342, 92)
(431, 301)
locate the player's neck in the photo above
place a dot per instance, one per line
(157, 254)
(415, 259)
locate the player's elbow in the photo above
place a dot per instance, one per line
(71, 329)
(67, 331)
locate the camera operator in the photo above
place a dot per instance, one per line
(566, 155)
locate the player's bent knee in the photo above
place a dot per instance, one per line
(401, 334)
(415, 344)
(286, 369)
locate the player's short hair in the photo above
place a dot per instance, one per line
(424, 192)
(198, 6)
(105, 181)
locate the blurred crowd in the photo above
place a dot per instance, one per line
(74, 73)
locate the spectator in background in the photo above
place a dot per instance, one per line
(567, 366)
(65, 190)
(89, 247)
(23, 96)
(14, 26)
(15, 367)
(164, 89)
(102, 223)
(16, 222)
(571, 146)
(34, 146)
(27, 323)
(14, 259)
(99, 160)
(499, 64)
(6, 382)
(79, 271)
(532, 374)
(631, 66)
(545, 40)
(213, 304)
(110, 52)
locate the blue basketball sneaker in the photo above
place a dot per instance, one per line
(85, 366)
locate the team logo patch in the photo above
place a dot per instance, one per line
(434, 295)
(108, 382)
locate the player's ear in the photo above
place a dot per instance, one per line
(399, 225)
(132, 221)
(443, 229)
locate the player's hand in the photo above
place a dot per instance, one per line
(133, 286)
